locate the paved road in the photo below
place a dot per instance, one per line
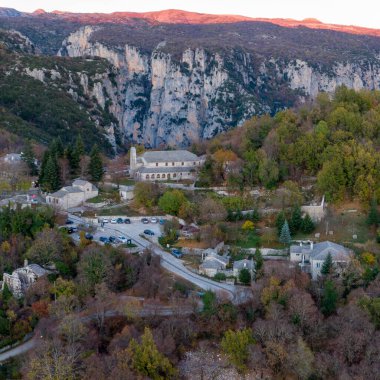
(21, 349)
(168, 261)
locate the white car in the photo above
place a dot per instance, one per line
(122, 239)
(114, 221)
(153, 220)
(105, 220)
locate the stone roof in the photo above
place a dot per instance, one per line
(240, 264)
(167, 169)
(169, 156)
(212, 264)
(337, 251)
(80, 182)
(66, 190)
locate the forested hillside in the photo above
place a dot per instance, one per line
(45, 97)
(337, 140)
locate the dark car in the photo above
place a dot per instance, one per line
(112, 239)
(127, 221)
(162, 221)
(145, 220)
(104, 239)
(119, 221)
(88, 236)
(71, 230)
(148, 232)
(176, 253)
(68, 221)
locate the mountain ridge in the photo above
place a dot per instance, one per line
(177, 16)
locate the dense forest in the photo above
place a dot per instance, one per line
(98, 315)
(337, 140)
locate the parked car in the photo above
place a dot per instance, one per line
(119, 221)
(176, 253)
(148, 232)
(122, 239)
(127, 221)
(72, 230)
(153, 220)
(68, 221)
(113, 221)
(103, 239)
(145, 220)
(88, 236)
(112, 239)
(105, 220)
(162, 221)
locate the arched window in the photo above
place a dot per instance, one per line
(147, 176)
(158, 176)
(175, 175)
(163, 176)
(152, 176)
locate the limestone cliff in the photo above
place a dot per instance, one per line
(165, 100)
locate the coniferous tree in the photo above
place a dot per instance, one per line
(45, 159)
(295, 220)
(28, 156)
(79, 146)
(259, 264)
(280, 220)
(51, 179)
(327, 265)
(307, 225)
(95, 167)
(285, 237)
(373, 215)
(329, 298)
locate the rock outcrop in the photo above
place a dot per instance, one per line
(175, 101)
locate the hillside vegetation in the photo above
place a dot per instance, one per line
(337, 140)
(43, 109)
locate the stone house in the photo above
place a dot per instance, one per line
(164, 165)
(213, 263)
(72, 196)
(22, 278)
(243, 264)
(311, 256)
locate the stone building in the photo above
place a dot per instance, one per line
(21, 278)
(72, 196)
(164, 165)
(311, 256)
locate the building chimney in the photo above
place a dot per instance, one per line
(311, 245)
(25, 263)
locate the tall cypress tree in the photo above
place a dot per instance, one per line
(45, 159)
(51, 180)
(285, 237)
(29, 158)
(79, 146)
(295, 220)
(327, 265)
(307, 225)
(95, 167)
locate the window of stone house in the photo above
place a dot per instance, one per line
(172, 163)
(183, 163)
(156, 163)
(166, 164)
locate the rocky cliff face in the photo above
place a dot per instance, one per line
(167, 101)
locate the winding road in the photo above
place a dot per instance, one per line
(168, 261)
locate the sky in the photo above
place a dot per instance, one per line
(346, 12)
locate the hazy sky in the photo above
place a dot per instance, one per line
(349, 12)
